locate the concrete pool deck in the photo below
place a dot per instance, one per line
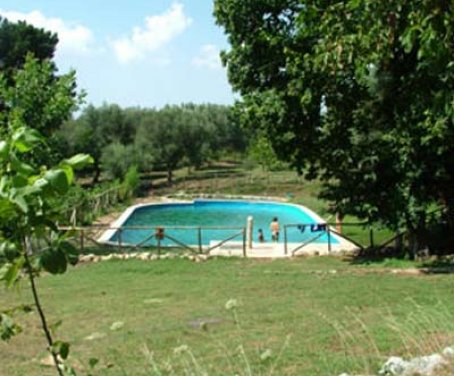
(277, 250)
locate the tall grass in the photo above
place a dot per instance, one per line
(356, 347)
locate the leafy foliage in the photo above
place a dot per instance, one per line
(131, 183)
(19, 39)
(117, 159)
(29, 238)
(263, 153)
(8, 328)
(358, 93)
(186, 135)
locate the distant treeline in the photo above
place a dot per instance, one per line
(150, 139)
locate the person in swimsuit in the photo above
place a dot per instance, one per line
(274, 228)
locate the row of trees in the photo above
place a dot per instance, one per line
(174, 136)
(357, 93)
(186, 135)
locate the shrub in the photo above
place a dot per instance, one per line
(117, 158)
(131, 182)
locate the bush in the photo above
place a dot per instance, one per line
(131, 183)
(116, 159)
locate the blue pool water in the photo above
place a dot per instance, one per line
(207, 213)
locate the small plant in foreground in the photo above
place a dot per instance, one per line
(29, 238)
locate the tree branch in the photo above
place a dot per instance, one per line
(44, 325)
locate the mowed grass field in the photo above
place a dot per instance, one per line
(305, 316)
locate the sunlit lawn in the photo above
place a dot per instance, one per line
(317, 316)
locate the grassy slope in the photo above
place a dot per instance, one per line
(348, 320)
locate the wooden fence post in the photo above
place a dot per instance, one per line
(82, 240)
(119, 240)
(199, 238)
(329, 238)
(371, 236)
(244, 242)
(285, 240)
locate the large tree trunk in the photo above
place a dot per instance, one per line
(417, 237)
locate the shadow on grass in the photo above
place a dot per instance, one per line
(399, 259)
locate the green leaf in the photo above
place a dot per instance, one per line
(69, 371)
(92, 362)
(21, 167)
(8, 328)
(19, 181)
(57, 180)
(26, 139)
(7, 209)
(53, 327)
(61, 348)
(4, 150)
(71, 252)
(21, 203)
(79, 161)
(53, 261)
(10, 272)
(69, 173)
(28, 190)
(3, 270)
(9, 251)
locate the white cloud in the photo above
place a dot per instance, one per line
(72, 38)
(208, 57)
(157, 32)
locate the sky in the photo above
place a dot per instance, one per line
(145, 53)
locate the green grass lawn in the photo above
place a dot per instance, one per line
(305, 316)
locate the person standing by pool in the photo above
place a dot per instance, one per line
(261, 237)
(274, 228)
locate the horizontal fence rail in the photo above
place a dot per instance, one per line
(116, 241)
(325, 228)
(91, 206)
(194, 239)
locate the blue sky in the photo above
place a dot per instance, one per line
(136, 52)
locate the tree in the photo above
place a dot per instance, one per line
(39, 98)
(262, 152)
(29, 238)
(19, 39)
(161, 139)
(117, 159)
(22, 44)
(224, 133)
(195, 136)
(358, 93)
(94, 130)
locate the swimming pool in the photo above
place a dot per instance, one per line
(231, 215)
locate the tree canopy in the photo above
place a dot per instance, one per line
(19, 39)
(171, 137)
(359, 93)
